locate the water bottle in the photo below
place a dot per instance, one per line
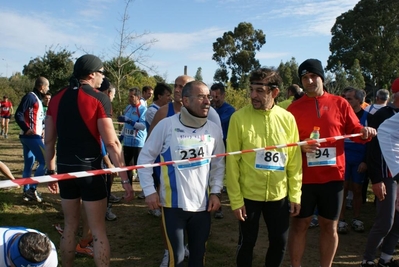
(315, 134)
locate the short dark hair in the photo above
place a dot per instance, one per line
(136, 91)
(218, 86)
(189, 87)
(34, 247)
(146, 88)
(294, 89)
(266, 73)
(160, 89)
(359, 95)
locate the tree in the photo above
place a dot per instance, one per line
(198, 74)
(159, 79)
(355, 77)
(57, 67)
(368, 33)
(289, 72)
(341, 81)
(236, 50)
(221, 75)
(128, 50)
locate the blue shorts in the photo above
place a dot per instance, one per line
(351, 173)
(6, 117)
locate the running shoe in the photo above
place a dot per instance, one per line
(186, 251)
(219, 214)
(342, 227)
(32, 194)
(165, 259)
(114, 199)
(59, 229)
(86, 251)
(109, 216)
(357, 226)
(391, 263)
(348, 204)
(314, 222)
(156, 212)
(367, 264)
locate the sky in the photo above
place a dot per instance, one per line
(184, 30)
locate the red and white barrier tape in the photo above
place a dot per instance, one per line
(66, 176)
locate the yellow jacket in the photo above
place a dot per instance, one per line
(249, 129)
(284, 104)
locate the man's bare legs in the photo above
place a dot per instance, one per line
(297, 239)
(95, 211)
(5, 126)
(328, 240)
(71, 210)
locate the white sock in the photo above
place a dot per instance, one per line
(385, 257)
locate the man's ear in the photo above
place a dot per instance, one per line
(275, 92)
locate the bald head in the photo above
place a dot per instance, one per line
(42, 85)
(180, 82)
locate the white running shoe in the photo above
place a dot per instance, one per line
(165, 259)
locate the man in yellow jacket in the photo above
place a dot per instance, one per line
(267, 182)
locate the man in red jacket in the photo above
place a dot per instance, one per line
(323, 174)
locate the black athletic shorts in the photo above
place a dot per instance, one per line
(327, 198)
(90, 188)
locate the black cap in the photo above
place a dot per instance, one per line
(313, 66)
(105, 85)
(86, 64)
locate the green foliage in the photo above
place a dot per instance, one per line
(235, 51)
(341, 81)
(238, 98)
(288, 72)
(355, 76)
(368, 33)
(136, 79)
(198, 74)
(159, 79)
(57, 67)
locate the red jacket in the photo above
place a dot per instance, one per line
(335, 117)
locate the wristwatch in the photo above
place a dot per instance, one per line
(50, 172)
(125, 181)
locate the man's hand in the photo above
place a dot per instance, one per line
(362, 167)
(379, 190)
(153, 201)
(29, 132)
(368, 132)
(295, 208)
(310, 148)
(241, 213)
(53, 187)
(121, 119)
(129, 193)
(214, 203)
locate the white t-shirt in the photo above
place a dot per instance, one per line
(373, 108)
(388, 137)
(183, 185)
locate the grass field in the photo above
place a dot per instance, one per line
(135, 236)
